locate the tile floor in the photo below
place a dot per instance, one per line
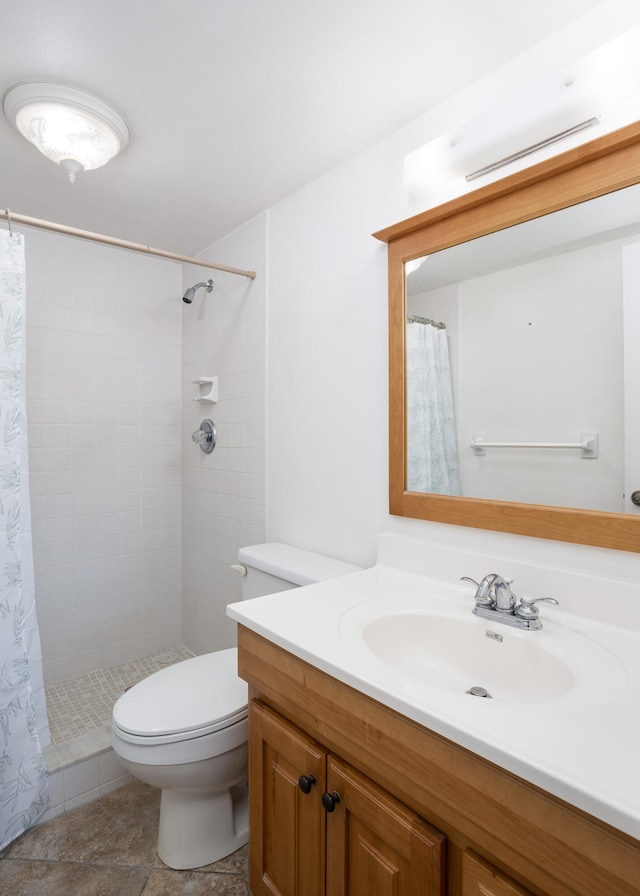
(108, 848)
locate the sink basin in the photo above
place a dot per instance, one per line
(420, 642)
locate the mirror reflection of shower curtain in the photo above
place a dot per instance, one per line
(432, 456)
(24, 730)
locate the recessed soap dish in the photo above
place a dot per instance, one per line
(208, 386)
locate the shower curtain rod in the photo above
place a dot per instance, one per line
(13, 218)
(416, 319)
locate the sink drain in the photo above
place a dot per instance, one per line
(479, 692)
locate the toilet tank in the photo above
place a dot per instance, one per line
(272, 567)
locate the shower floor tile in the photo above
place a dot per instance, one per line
(76, 706)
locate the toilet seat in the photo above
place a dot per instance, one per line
(188, 700)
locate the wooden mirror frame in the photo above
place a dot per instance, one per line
(601, 166)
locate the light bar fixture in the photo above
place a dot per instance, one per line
(535, 147)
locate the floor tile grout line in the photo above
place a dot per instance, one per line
(44, 861)
(123, 865)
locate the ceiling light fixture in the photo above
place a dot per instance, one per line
(72, 128)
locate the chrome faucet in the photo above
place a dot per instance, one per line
(496, 601)
(494, 593)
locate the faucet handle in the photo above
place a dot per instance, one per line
(482, 600)
(469, 579)
(526, 608)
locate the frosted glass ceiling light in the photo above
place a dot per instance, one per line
(70, 127)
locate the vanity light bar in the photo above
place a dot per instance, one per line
(529, 150)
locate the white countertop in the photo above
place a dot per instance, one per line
(583, 747)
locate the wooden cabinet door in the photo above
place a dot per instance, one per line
(375, 845)
(287, 847)
(481, 879)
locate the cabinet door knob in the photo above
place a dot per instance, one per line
(330, 800)
(306, 782)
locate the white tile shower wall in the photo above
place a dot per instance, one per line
(224, 335)
(103, 404)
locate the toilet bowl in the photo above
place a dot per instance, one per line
(184, 729)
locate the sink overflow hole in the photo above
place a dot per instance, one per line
(476, 691)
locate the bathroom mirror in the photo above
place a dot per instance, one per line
(551, 439)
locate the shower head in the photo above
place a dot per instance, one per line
(190, 293)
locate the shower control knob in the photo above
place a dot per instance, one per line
(205, 436)
(330, 800)
(306, 782)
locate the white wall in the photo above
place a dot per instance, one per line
(327, 366)
(103, 405)
(327, 370)
(224, 335)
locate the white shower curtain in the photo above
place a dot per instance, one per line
(432, 456)
(24, 729)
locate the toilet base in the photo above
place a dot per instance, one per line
(200, 827)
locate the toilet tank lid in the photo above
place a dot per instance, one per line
(294, 564)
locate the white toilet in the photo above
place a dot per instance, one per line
(184, 729)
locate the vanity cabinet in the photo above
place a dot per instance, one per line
(318, 826)
(287, 830)
(480, 879)
(403, 789)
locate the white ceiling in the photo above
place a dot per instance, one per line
(236, 104)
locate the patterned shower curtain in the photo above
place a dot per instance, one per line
(432, 454)
(24, 729)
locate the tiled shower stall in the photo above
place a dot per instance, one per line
(134, 528)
